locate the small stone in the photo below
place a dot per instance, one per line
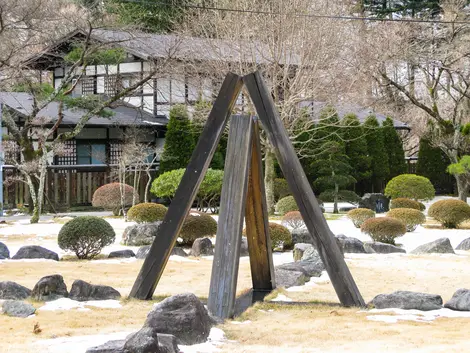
(35, 252)
(13, 291)
(4, 252)
(109, 347)
(17, 308)
(301, 235)
(288, 278)
(141, 234)
(122, 254)
(202, 247)
(143, 341)
(177, 251)
(84, 291)
(383, 248)
(460, 300)
(299, 250)
(408, 300)
(350, 245)
(50, 288)
(464, 245)
(439, 246)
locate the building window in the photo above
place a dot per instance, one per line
(88, 86)
(91, 153)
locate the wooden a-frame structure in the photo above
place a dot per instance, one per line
(243, 195)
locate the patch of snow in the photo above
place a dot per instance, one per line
(69, 304)
(280, 258)
(215, 339)
(323, 279)
(415, 315)
(303, 288)
(281, 298)
(240, 322)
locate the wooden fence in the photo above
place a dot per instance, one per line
(66, 187)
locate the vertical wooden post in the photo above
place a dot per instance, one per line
(160, 251)
(328, 249)
(90, 195)
(56, 189)
(223, 287)
(68, 187)
(257, 223)
(79, 188)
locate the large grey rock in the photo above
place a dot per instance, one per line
(299, 250)
(440, 246)
(83, 291)
(116, 346)
(311, 254)
(459, 301)
(4, 252)
(141, 234)
(350, 245)
(122, 254)
(17, 308)
(143, 341)
(13, 291)
(144, 250)
(183, 316)
(308, 268)
(50, 288)
(35, 252)
(202, 247)
(301, 235)
(383, 248)
(376, 202)
(177, 251)
(408, 300)
(244, 247)
(288, 278)
(166, 344)
(464, 245)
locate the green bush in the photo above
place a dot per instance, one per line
(147, 212)
(411, 217)
(280, 236)
(86, 236)
(450, 212)
(293, 220)
(109, 197)
(281, 189)
(384, 229)
(197, 225)
(422, 206)
(286, 204)
(410, 186)
(402, 202)
(360, 215)
(343, 195)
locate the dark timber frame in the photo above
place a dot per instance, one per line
(243, 194)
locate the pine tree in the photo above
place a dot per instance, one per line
(377, 153)
(179, 143)
(432, 164)
(394, 148)
(334, 170)
(356, 150)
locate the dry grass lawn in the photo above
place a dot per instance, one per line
(319, 326)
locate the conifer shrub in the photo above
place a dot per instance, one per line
(109, 197)
(197, 225)
(451, 213)
(286, 204)
(384, 229)
(146, 212)
(411, 217)
(410, 186)
(402, 202)
(86, 236)
(360, 215)
(293, 220)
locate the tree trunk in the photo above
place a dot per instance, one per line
(33, 193)
(269, 175)
(462, 186)
(335, 206)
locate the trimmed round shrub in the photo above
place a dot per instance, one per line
(411, 217)
(197, 225)
(384, 229)
(109, 197)
(146, 212)
(402, 202)
(86, 236)
(422, 206)
(281, 189)
(280, 236)
(293, 220)
(450, 212)
(286, 204)
(360, 215)
(410, 186)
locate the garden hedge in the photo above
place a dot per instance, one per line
(402, 202)
(411, 217)
(109, 197)
(293, 220)
(286, 204)
(410, 186)
(384, 229)
(197, 225)
(360, 215)
(146, 212)
(451, 213)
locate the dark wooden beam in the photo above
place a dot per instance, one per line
(339, 273)
(257, 222)
(223, 287)
(160, 250)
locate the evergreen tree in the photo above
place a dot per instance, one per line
(334, 170)
(356, 150)
(432, 164)
(179, 142)
(377, 153)
(394, 148)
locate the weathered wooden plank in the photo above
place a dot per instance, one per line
(339, 273)
(223, 287)
(90, 186)
(160, 250)
(79, 188)
(56, 189)
(68, 187)
(257, 222)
